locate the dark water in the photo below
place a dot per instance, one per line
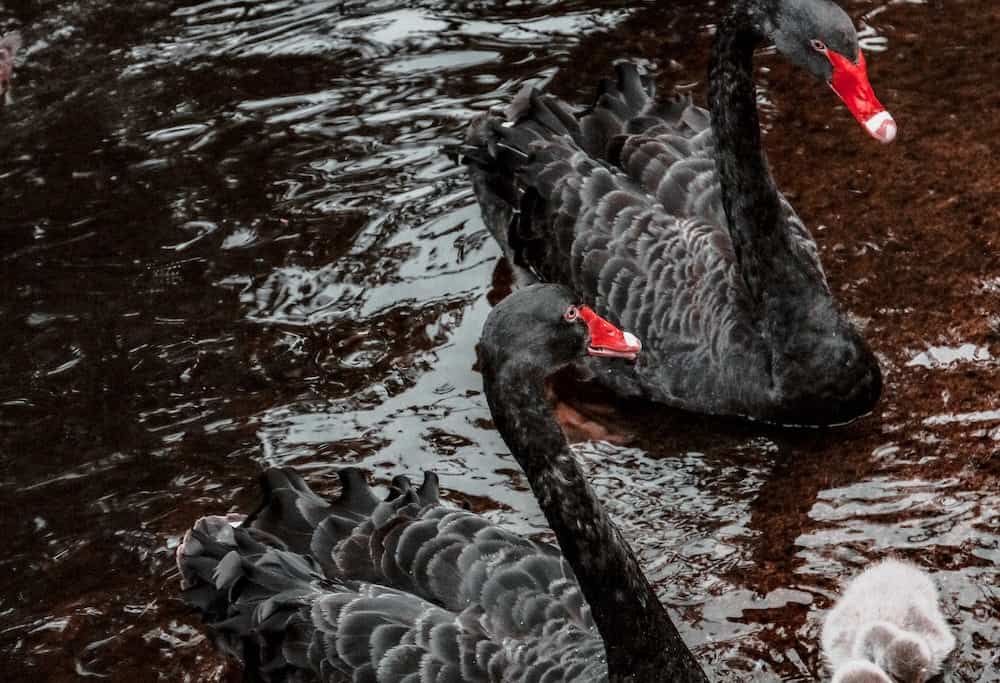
(231, 238)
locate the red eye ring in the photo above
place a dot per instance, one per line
(818, 45)
(571, 314)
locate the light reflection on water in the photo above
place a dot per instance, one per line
(943, 356)
(239, 240)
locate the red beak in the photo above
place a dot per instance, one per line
(606, 340)
(850, 82)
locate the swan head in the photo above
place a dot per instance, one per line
(860, 671)
(906, 656)
(547, 326)
(818, 36)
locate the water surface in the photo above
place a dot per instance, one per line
(233, 237)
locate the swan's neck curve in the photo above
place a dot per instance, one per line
(749, 195)
(642, 643)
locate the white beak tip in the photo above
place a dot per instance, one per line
(633, 340)
(882, 127)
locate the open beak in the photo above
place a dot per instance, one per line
(608, 341)
(850, 82)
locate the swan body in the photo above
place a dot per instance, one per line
(434, 591)
(888, 616)
(10, 43)
(665, 218)
(409, 590)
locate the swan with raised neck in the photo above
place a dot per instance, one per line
(520, 348)
(409, 589)
(665, 218)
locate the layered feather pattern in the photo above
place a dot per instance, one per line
(623, 202)
(400, 590)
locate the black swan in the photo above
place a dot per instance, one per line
(408, 590)
(665, 218)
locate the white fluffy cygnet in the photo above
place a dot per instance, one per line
(888, 617)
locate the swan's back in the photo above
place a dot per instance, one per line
(575, 174)
(622, 202)
(383, 590)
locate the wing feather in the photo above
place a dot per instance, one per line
(621, 188)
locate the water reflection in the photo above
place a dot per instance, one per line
(943, 356)
(233, 238)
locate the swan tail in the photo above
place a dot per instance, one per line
(499, 145)
(505, 151)
(257, 598)
(518, 163)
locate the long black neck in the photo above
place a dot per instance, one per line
(778, 275)
(642, 643)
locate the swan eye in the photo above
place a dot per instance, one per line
(818, 45)
(571, 314)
